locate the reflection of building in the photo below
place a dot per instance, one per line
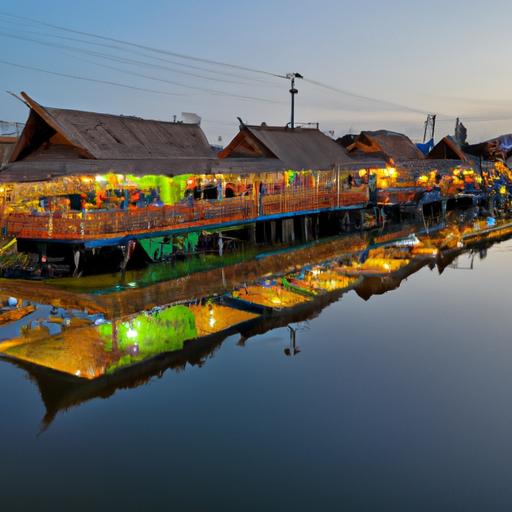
(60, 392)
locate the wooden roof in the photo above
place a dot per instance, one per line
(298, 148)
(499, 148)
(391, 145)
(99, 136)
(447, 149)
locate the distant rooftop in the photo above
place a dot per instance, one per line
(11, 129)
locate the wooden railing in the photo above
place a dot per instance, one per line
(93, 224)
(397, 195)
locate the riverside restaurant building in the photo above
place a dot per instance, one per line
(83, 181)
(89, 180)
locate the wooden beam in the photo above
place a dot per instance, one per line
(54, 123)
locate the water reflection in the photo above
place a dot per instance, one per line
(126, 339)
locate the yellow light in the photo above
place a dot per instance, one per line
(362, 173)
(100, 179)
(276, 300)
(386, 266)
(392, 172)
(503, 190)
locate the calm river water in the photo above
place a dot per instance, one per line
(399, 402)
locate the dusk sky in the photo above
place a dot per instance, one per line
(395, 60)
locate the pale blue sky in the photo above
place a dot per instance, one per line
(449, 57)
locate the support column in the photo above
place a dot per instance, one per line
(252, 233)
(273, 232)
(444, 204)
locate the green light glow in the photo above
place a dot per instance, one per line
(147, 334)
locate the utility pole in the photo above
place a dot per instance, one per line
(430, 126)
(293, 92)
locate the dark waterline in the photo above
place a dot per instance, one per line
(401, 402)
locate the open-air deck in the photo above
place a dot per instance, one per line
(93, 226)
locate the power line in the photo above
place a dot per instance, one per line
(396, 106)
(203, 89)
(143, 47)
(115, 58)
(143, 54)
(87, 79)
(141, 75)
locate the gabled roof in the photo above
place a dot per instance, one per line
(392, 145)
(111, 137)
(298, 148)
(447, 149)
(498, 148)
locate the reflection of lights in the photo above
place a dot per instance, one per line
(211, 321)
(386, 266)
(133, 284)
(276, 300)
(131, 333)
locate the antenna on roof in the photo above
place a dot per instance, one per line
(430, 125)
(242, 124)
